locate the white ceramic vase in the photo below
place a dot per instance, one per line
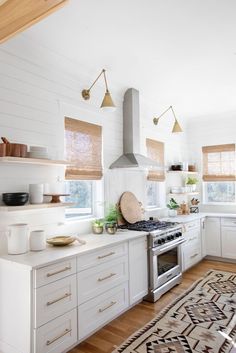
(37, 240)
(18, 238)
(172, 213)
(36, 193)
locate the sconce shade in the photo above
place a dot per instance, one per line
(107, 103)
(176, 127)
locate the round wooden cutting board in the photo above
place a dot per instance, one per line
(130, 207)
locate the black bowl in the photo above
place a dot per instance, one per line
(15, 198)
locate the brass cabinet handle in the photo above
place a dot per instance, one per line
(58, 337)
(106, 307)
(191, 257)
(109, 254)
(58, 299)
(67, 268)
(106, 277)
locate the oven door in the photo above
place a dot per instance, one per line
(165, 263)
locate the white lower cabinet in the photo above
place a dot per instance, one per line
(57, 335)
(52, 308)
(100, 278)
(55, 299)
(213, 236)
(138, 269)
(97, 312)
(228, 238)
(191, 249)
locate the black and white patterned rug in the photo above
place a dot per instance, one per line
(201, 320)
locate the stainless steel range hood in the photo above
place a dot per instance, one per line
(131, 135)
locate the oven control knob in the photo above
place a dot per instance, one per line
(163, 240)
(172, 237)
(168, 237)
(178, 234)
(159, 241)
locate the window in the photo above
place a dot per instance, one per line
(155, 151)
(81, 194)
(83, 146)
(219, 174)
(152, 194)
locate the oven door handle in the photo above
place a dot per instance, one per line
(157, 250)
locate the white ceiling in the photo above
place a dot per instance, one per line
(179, 52)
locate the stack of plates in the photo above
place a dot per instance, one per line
(38, 152)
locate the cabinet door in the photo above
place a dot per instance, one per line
(138, 272)
(213, 236)
(15, 15)
(203, 236)
(228, 239)
(191, 249)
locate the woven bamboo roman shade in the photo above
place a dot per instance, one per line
(83, 148)
(219, 163)
(155, 151)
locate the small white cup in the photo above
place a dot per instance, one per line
(37, 240)
(36, 193)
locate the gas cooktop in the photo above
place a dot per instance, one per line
(148, 226)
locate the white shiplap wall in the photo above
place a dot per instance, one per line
(37, 89)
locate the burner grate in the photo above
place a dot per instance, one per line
(147, 226)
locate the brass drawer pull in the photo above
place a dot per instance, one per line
(106, 277)
(109, 254)
(67, 268)
(58, 337)
(58, 299)
(191, 257)
(106, 307)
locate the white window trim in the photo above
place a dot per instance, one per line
(97, 206)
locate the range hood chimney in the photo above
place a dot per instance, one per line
(131, 135)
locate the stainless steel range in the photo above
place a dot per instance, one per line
(164, 255)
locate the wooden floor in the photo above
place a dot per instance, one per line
(113, 334)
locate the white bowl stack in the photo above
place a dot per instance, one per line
(38, 152)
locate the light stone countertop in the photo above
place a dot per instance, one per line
(33, 259)
(195, 216)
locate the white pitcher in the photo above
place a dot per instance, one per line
(18, 238)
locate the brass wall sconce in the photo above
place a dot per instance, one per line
(176, 126)
(107, 103)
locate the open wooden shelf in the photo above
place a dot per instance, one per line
(33, 161)
(184, 193)
(34, 207)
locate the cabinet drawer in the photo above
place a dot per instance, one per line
(54, 272)
(97, 312)
(192, 255)
(55, 299)
(231, 222)
(101, 256)
(190, 225)
(192, 236)
(98, 279)
(58, 335)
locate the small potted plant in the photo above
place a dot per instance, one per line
(97, 226)
(111, 219)
(173, 206)
(191, 183)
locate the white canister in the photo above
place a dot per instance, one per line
(37, 240)
(18, 238)
(36, 193)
